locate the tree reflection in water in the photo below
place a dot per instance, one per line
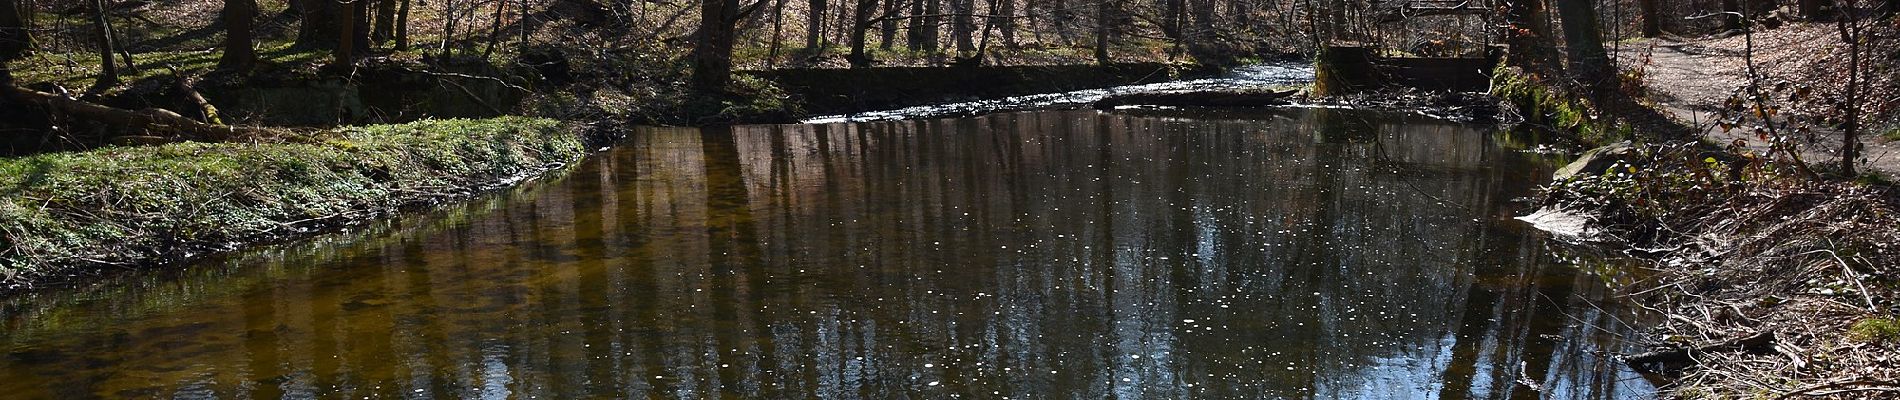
(1062, 254)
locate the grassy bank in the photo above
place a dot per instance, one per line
(69, 214)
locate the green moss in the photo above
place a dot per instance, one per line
(137, 205)
(1876, 329)
(1891, 135)
(1543, 105)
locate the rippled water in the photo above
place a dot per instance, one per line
(1261, 76)
(1066, 254)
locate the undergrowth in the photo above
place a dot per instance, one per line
(63, 213)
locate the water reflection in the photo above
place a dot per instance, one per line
(1297, 254)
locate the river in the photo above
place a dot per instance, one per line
(1300, 253)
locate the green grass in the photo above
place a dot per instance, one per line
(142, 205)
(1876, 330)
(78, 70)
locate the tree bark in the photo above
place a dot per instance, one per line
(15, 38)
(712, 52)
(963, 25)
(402, 25)
(860, 29)
(317, 31)
(1584, 43)
(1104, 15)
(1652, 17)
(239, 53)
(108, 69)
(385, 22)
(815, 24)
(888, 28)
(345, 50)
(1007, 25)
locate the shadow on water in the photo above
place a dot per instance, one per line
(1064, 254)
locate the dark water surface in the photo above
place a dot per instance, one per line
(1063, 254)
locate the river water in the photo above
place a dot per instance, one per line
(1305, 253)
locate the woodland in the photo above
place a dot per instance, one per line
(1743, 147)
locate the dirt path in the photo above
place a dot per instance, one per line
(1691, 78)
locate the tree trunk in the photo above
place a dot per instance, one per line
(933, 24)
(888, 28)
(239, 53)
(318, 28)
(778, 33)
(815, 24)
(712, 52)
(1652, 17)
(860, 29)
(385, 22)
(1731, 15)
(15, 38)
(345, 51)
(108, 68)
(402, 26)
(1007, 25)
(963, 25)
(1529, 37)
(1584, 44)
(1104, 15)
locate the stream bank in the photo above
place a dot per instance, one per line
(71, 215)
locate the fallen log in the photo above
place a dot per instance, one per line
(1671, 359)
(1241, 98)
(150, 122)
(186, 87)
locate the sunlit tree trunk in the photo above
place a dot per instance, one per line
(238, 51)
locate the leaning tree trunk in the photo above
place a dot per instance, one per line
(108, 70)
(712, 52)
(239, 54)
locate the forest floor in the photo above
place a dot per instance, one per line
(1770, 284)
(1692, 78)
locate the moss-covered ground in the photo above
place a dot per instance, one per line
(68, 214)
